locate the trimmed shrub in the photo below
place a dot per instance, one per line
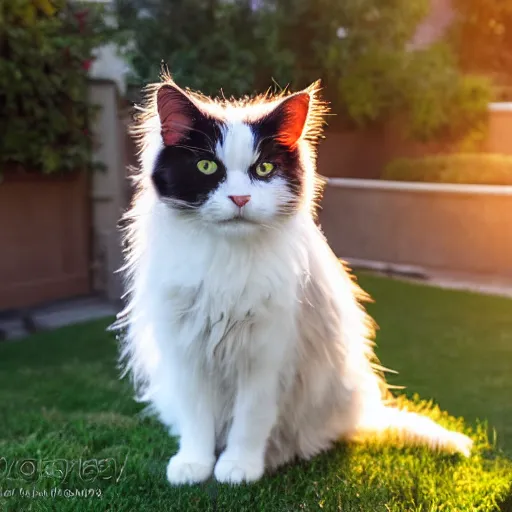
(477, 169)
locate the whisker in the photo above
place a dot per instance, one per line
(179, 203)
(191, 148)
(208, 138)
(188, 128)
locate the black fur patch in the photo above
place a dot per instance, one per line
(175, 174)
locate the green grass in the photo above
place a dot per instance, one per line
(60, 399)
(454, 347)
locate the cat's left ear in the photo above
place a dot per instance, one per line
(289, 118)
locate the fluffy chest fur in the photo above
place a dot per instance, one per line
(215, 293)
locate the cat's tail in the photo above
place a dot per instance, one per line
(408, 427)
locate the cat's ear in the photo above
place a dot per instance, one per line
(177, 113)
(289, 118)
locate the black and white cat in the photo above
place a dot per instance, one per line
(244, 332)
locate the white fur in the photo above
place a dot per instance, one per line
(248, 337)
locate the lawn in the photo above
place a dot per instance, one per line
(61, 400)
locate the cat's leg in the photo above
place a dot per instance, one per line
(182, 395)
(179, 391)
(255, 412)
(193, 409)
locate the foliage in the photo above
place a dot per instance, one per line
(440, 100)
(366, 68)
(482, 37)
(45, 52)
(209, 51)
(481, 169)
(358, 48)
(371, 76)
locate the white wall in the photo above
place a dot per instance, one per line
(108, 193)
(108, 64)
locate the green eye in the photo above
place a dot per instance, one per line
(264, 169)
(207, 166)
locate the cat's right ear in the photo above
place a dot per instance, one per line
(177, 114)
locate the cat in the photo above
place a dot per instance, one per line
(244, 333)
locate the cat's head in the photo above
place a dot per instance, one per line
(235, 166)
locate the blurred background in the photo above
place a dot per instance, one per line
(417, 151)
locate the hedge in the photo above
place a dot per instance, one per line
(477, 169)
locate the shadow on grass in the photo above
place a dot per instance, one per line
(299, 482)
(506, 504)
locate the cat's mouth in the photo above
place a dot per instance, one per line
(237, 220)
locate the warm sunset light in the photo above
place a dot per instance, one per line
(256, 255)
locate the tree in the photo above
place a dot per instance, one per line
(357, 47)
(208, 45)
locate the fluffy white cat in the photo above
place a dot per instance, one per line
(244, 333)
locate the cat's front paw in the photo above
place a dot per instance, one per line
(232, 470)
(183, 470)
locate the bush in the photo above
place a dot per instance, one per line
(440, 101)
(477, 169)
(45, 52)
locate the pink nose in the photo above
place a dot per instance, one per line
(240, 200)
